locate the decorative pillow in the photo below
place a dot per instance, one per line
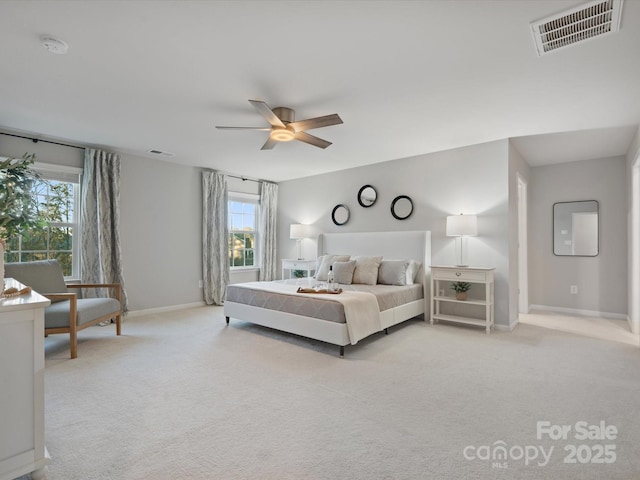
(412, 271)
(366, 270)
(327, 261)
(393, 272)
(343, 271)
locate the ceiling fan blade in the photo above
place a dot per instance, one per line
(316, 122)
(264, 129)
(267, 113)
(311, 140)
(269, 144)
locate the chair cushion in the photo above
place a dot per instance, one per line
(44, 276)
(57, 314)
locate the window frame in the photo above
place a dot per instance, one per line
(255, 200)
(73, 175)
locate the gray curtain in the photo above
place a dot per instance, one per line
(100, 213)
(215, 237)
(267, 233)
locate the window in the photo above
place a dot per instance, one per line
(58, 196)
(243, 230)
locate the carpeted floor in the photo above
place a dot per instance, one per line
(182, 396)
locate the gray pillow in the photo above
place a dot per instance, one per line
(343, 271)
(327, 261)
(366, 271)
(393, 272)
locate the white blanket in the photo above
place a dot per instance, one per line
(360, 308)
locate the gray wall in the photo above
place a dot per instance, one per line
(45, 152)
(601, 280)
(160, 220)
(472, 180)
(161, 232)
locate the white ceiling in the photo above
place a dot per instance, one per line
(407, 78)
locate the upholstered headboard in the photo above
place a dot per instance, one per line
(414, 245)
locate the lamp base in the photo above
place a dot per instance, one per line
(461, 252)
(299, 245)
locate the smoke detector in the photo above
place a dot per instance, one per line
(54, 45)
(577, 25)
(155, 151)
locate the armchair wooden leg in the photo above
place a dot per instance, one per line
(73, 341)
(73, 327)
(118, 324)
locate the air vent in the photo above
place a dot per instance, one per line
(587, 21)
(159, 152)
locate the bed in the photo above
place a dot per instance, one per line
(351, 316)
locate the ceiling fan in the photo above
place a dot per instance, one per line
(284, 128)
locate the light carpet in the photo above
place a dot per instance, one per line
(182, 396)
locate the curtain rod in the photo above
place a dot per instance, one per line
(244, 179)
(36, 140)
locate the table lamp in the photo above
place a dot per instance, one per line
(461, 226)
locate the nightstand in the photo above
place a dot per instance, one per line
(309, 266)
(477, 310)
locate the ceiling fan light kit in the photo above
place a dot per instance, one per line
(284, 128)
(282, 134)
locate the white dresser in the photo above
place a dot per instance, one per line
(478, 309)
(22, 448)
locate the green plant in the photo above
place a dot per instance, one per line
(18, 206)
(298, 273)
(460, 287)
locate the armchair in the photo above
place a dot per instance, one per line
(67, 313)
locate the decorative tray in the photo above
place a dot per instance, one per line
(313, 290)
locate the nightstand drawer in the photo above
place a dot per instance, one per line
(459, 275)
(301, 265)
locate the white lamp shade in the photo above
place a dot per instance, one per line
(298, 230)
(462, 226)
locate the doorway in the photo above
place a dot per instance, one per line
(523, 269)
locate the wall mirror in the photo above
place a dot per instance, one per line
(340, 214)
(367, 196)
(575, 228)
(401, 207)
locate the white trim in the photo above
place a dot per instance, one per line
(523, 249)
(170, 308)
(505, 328)
(579, 312)
(57, 168)
(252, 197)
(634, 261)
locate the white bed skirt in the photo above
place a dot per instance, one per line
(330, 332)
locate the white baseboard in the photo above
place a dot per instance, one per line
(505, 328)
(579, 312)
(170, 308)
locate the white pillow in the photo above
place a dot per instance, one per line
(393, 272)
(326, 262)
(343, 271)
(412, 271)
(366, 271)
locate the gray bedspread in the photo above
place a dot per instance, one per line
(388, 296)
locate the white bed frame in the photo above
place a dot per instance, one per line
(415, 245)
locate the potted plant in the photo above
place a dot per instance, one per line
(299, 273)
(461, 289)
(18, 207)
